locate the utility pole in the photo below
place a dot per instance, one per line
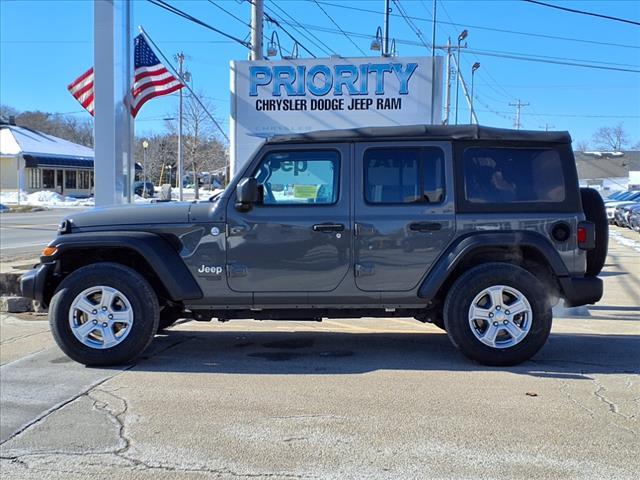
(385, 43)
(447, 107)
(518, 106)
(547, 127)
(447, 103)
(461, 37)
(180, 58)
(257, 12)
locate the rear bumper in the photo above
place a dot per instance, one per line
(581, 290)
(33, 282)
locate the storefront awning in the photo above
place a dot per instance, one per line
(41, 161)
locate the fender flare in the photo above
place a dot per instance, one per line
(468, 244)
(157, 252)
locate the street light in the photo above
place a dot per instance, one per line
(461, 37)
(394, 51)
(273, 47)
(475, 67)
(170, 168)
(145, 145)
(376, 43)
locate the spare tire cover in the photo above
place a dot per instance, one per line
(594, 211)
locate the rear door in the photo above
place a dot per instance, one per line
(404, 212)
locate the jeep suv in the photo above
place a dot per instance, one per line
(477, 230)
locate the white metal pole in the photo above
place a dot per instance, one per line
(112, 86)
(180, 165)
(257, 12)
(433, 63)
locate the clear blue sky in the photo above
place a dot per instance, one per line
(47, 44)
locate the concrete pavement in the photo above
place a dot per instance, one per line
(339, 399)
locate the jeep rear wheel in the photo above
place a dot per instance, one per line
(104, 314)
(498, 314)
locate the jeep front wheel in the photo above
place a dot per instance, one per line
(104, 314)
(498, 314)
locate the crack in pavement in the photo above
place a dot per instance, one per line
(20, 337)
(62, 404)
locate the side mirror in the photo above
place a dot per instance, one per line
(247, 194)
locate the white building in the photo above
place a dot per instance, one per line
(34, 161)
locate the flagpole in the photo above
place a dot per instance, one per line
(185, 84)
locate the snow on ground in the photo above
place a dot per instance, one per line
(622, 240)
(54, 199)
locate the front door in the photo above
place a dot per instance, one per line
(404, 212)
(298, 238)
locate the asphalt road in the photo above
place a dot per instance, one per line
(338, 399)
(25, 234)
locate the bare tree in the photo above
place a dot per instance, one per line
(581, 146)
(613, 138)
(202, 151)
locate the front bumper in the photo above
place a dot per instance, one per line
(32, 283)
(579, 291)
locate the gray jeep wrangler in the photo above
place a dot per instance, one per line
(477, 230)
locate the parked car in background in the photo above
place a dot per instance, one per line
(615, 195)
(634, 220)
(622, 212)
(144, 189)
(632, 196)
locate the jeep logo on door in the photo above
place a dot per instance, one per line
(210, 270)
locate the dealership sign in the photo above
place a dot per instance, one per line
(287, 96)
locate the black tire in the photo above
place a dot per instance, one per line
(138, 292)
(595, 211)
(168, 316)
(471, 284)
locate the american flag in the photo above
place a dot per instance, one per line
(151, 79)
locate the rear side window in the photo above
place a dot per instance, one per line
(513, 175)
(404, 175)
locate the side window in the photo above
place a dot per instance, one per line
(513, 175)
(404, 175)
(300, 177)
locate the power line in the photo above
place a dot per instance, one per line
(279, 25)
(582, 12)
(491, 29)
(295, 24)
(177, 11)
(186, 84)
(339, 28)
(244, 22)
(412, 25)
(554, 62)
(499, 54)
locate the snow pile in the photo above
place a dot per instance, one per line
(45, 199)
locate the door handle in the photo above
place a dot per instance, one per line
(328, 227)
(425, 226)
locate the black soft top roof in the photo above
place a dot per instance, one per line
(431, 132)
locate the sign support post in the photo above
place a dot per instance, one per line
(113, 124)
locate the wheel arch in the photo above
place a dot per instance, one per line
(149, 254)
(529, 250)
